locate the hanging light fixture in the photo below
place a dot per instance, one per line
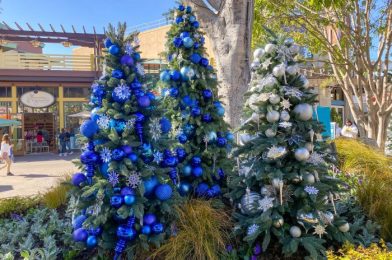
(66, 44)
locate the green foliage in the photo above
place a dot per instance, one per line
(377, 251)
(57, 196)
(335, 117)
(17, 205)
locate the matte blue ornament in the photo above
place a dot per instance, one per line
(174, 92)
(196, 160)
(89, 128)
(136, 85)
(196, 24)
(129, 199)
(133, 157)
(196, 45)
(144, 101)
(187, 42)
(187, 73)
(179, 19)
(149, 185)
(118, 74)
(188, 9)
(221, 142)
(181, 154)
(116, 201)
(78, 221)
(175, 75)
(182, 138)
(136, 56)
(127, 60)
(207, 93)
(170, 161)
(157, 228)
(220, 111)
(184, 35)
(192, 18)
(127, 149)
(204, 62)
(78, 178)
(230, 136)
(207, 118)
(149, 219)
(127, 191)
(165, 125)
(215, 190)
(181, 8)
(163, 192)
(138, 92)
(80, 235)
(177, 42)
(257, 250)
(184, 188)
(114, 49)
(165, 75)
(108, 42)
(187, 170)
(167, 153)
(187, 100)
(118, 154)
(146, 230)
(202, 189)
(195, 58)
(97, 90)
(92, 241)
(89, 157)
(125, 232)
(196, 111)
(139, 117)
(197, 171)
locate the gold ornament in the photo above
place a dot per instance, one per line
(319, 230)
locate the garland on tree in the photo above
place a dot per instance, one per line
(283, 191)
(191, 101)
(123, 190)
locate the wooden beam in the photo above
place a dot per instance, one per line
(31, 28)
(88, 36)
(73, 28)
(62, 28)
(6, 25)
(19, 27)
(94, 30)
(42, 28)
(49, 40)
(84, 30)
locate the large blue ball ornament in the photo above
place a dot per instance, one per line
(207, 93)
(204, 62)
(196, 24)
(94, 113)
(163, 192)
(129, 199)
(146, 230)
(177, 42)
(192, 18)
(89, 128)
(149, 185)
(187, 170)
(78, 221)
(187, 73)
(157, 228)
(181, 154)
(230, 136)
(184, 188)
(195, 58)
(165, 125)
(118, 74)
(179, 19)
(196, 111)
(127, 60)
(182, 138)
(187, 42)
(88, 157)
(92, 241)
(216, 190)
(174, 92)
(196, 160)
(108, 42)
(221, 142)
(207, 118)
(197, 171)
(144, 101)
(175, 75)
(116, 201)
(181, 8)
(114, 49)
(149, 219)
(133, 157)
(188, 9)
(78, 179)
(220, 111)
(165, 75)
(184, 35)
(80, 235)
(202, 189)
(118, 154)
(125, 232)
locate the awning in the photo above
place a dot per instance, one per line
(7, 122)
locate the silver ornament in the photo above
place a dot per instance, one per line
(284, 115)
(279, 70)
(276, 183)
(278, 222)
(309, 146)
(301, 154)
(254, 117)
(345, 227)
(309, 178)
(292, 69)
(255, 65)
(258, 53)
(305, 81)
(297, 179)
(273, 116)
(245, 138)
(274, 99)
(328, 217)
(270, 48)
(295, 231)
(250, 202)
(308, 218)
(304, 111)
(269, 81)
(294, 49)
(270, 132)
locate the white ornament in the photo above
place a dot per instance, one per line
(294, 49)
(273, 116)
(258, 53)
(278, 222)
(292, 69)
(268, 82)
(249, 203)
(275, 152)
(309, 146)
(345, 227)
(285, 103)
(285, 124)
(270, 132)
(263, 97)
(305, 81)
(255, 64)
(301, 154)
(274, 99)
(284, 115)
(270, 48)
(266, 203)
(254, 117)
(304, 111)
(319, 230)
(245, 138)
(279, 70)
(309, 178)
(276, 183)
(295, 231)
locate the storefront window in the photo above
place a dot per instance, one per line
(72, 123)
(5, 109)
(76, 92)
(5, 92)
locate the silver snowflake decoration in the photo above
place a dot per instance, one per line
(134, 180)
(113, 178)
(266, 63)
(136, 41)
(319, 230)
(106, 155)
(103, 122)
(252, 229)
(129, 48)
(285, 124)
(140, 69)
(158, 157)
(122, 91)
(293, 92)
(155, 129)
(206, 139)
(311, 190)
(285, 103)
(316, 159)
(284, 53)
(276, 152)
(266, 203)
(130, 123)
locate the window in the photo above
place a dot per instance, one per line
(337, 94)
(76, 92)
(5, 92)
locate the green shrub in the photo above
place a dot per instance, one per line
(17, 205)
(57, 196)
(374, 252)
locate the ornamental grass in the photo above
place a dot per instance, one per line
(349, 252)
(57, 196)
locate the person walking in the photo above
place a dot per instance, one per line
(6, 147)
(68, 141)
(63, 144)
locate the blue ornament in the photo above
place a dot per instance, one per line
(167, 153)
(136, 85)
(187, 100)
(149, 219)
(108, 42)
(78, 178)
(212, 136)
(149, 185)
(181, 154)
(146, 230)
(136, 56)
(133, 157)
(202, 189)
(196, 24)
(144, 101)
(187, 42)
(209, 67)
(163, 192)
(114, 49)
(129, 199)
(165, 125)
(230, 136)
(188, 9)
(121, 93)
(89, 128)
(188, 129)
(195, 58)
(94, 113)
(157, 228)
(139, 117)
(126, 60)
(78, 221)
(127, 191)
(187, 73)
(127, 149)
(192, 18)
(98, 142)
(118, 154)
(174, 92)
(196, 160)
(94, 231)
(202, 40)
(98, 90)
(207, 93)
(196, 111)
(217, 104)
(179, 20)
(184, 188)
(88, 157)
(150, 95)
(165, 75)
(92, 241)
(196, 45)
(118, 74)
(120, 126)
(181, 8)
(175, 75)
(215, 190)
(116, 201)
(221, 142)
(80, 235)
(170, 161)
(221, 173)
(182, 138)
(184, 35)
(125, 232)
(207, 118)
(187, 170)
(204, 62)
(197, 171)
(220, 111)
(177, 41)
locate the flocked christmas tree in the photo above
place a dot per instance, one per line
(125, 196)
(283, 191)
(191, 101)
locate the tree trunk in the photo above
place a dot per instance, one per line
(230, 34)
(382, 129)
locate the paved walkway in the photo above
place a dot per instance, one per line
(35, 174)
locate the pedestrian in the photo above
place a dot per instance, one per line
(68, 141)
(63, 145)
(6, 153)
(349, 130)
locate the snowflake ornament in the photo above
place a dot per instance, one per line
(266, 63)
(252, 229)
(122, 91)
(311, 190)
(206, 139)
(266, 203)
(140, 69)
(284, 53)
(106, 155)
(158, 157)
(276, 152)
(155, 129)
(285, 103)
(103, 122)
(316, 159)
(293, 92)
(319, 230)
(113, 178)
(134, 180)
(294, 139)
(285, 124)
(130, 123)
(263, 97)
(129, 48)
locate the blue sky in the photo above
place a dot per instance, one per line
(89, 13)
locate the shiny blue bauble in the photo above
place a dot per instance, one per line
(144, 101)
(88, 157)
(116, 201)
(197, 171)
(212, 136)
(221, 173)
(157, 228)
(92, 241)
(118, 154)
(196, 111)
(146, 230)
(133, 157)
(164, 76)
(207, 118)
(195, 58)
(149, 219)
(136, 56)
(108, 42)
(163, 192)
(187, 101)
(187, 42)
(78, 221)
(192, 18)
(89, 128)
(202, 189)
(181, 8)
(187, 73)
(187, 170)
(136, 85)
(174, 92)
(118, 74)
(179, 20)
(221, 142)
(127, 191)
(177, 42)
(139, 117)
(165, 125)
(188, 9)
(80, 235)
(170, 161)
(230, 136)
(127, 149)
(126, 60)
(207, 93)
(220, 111)
(167, 153)
(175, 75)
(196, 24)
(98, 90)
(181, 154)
(94, 113)
(125, 232)
(149, 185)
(129, 199)
(196, 45)
(217, 103)
(184, 35)
(184, 188)
(78, 178)
(151, 96)
(216, 190)
(196, 160)
(182, 138)
(120, 126)
(114, 49)
(204, 62)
